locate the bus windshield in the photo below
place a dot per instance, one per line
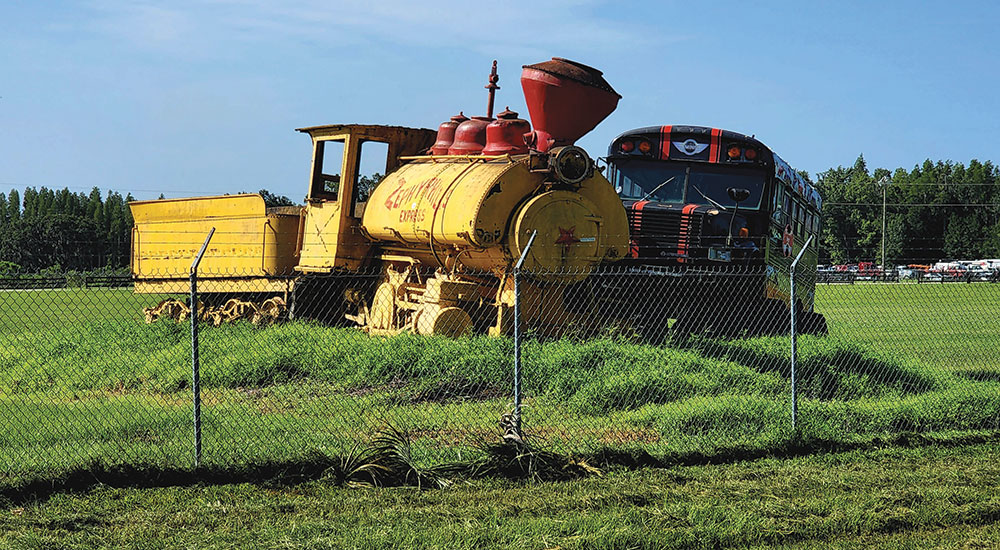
(685, 183)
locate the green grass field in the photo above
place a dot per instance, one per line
(93, 382)
(86, 387)
(896, 497)
(951, 326)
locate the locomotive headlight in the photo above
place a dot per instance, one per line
(570, 164)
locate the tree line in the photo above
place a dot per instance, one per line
(935, 211)
(63, 230)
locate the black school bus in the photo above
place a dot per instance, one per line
(716, 219)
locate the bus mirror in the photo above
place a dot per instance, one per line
(738, 194)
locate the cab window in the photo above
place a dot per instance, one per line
(372, 162)
(328, 163)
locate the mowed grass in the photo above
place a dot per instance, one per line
(953, 326)
(83, 379)
(23, 310)
(923, 497)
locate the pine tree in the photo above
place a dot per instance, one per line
(94, 205)
(46, 202)
(66, 202)
(30, 203)
(128, 213)
(14, 206)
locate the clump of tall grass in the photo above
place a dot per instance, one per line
(595, 377)
(604, 375)
(830, 367)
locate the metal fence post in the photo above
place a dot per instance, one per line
(791, 307)
(195, 367)
(517, 332)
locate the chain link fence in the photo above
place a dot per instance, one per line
(653, 360)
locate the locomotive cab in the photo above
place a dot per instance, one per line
(332, 236)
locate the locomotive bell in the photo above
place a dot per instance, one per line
(505, 135)
(470, 136)
(446, 134)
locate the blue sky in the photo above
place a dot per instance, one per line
(202, 97)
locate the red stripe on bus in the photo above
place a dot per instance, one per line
(637, 218)
(665, 142)
(636, 227)
(713, 151)
(682, 244)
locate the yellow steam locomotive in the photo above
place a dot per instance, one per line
(440, 232)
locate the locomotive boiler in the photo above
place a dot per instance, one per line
(431, 248)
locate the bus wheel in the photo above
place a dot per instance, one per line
(653, 331)
(770, 319)
(813, 323)
(680, 333)
(688, 324)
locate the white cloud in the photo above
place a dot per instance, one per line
(534, 27)
(142, 23)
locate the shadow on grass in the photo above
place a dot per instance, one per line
(980, 375)
(85, 478)
(505, 461)
(793, 447)
(828, 371)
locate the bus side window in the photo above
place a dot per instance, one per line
(776, 209)
(787, 212)
(799, 218)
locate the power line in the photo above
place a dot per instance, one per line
(952, 205)
(918, 184)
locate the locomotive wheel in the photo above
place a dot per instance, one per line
(383, 312)
(442, 321)
(320, 299)
(771, 319)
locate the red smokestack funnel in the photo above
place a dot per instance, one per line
(565, 100)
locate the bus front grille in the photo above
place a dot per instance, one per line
(665, 233)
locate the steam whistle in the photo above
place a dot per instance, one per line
(492, 87)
